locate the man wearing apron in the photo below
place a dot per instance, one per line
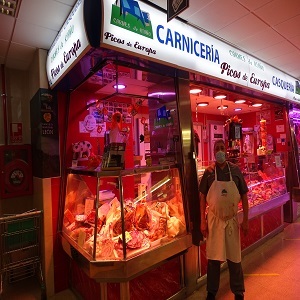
(221, 189)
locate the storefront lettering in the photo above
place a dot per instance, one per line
(114, 39)
(47, 131)
(71, 15)
(69, 33)
(143, 48)
(237, 55)
(72, 52)
(75, 8)
(283, 84)
(259, 65)
(225, 67)
(262, 83)
(186, 44)
(55, 53)
(245, 77)
(121, 23)
(55, 72)
(297, 99)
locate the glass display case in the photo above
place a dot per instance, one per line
(104, 220)
(266, 178)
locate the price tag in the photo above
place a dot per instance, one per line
(278, 161)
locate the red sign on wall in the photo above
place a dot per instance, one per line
(16, 134)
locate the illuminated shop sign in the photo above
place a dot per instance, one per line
(135, 27)
(69, 45)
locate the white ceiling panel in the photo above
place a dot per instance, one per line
(67, 2)
(253, 4)
(216, 15)
(280, 49)
(293, 67)
(278, 11)
(285, 60)
(296, 41)
(22, 52)
(289, 28)
(261, 40)
(40, 12)
(194, 8)
(7, 26)
(36, 36)
(240, 29)
(3, 47)
(161, 3)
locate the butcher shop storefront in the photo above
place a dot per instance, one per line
(136, 141)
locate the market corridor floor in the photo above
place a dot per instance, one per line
(271, 271)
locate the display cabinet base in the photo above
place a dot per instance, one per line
(125, 270)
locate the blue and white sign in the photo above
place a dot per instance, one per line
(135, 27)
(70, 44)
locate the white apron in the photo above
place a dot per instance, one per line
(223, 239)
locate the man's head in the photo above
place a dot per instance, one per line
(220, 151)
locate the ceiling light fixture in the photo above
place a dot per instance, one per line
(219, 96)
(195, 90)
(256, 105)
(8, 7)
(239, 101)
(202, 103)
(223, 107)
(161, 94)
(119, 86)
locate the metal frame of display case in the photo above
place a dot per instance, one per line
(128, 268)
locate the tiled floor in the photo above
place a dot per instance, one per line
(271, 273)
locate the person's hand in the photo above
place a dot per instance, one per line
(204, 229)
(211, 168)
(245, 226)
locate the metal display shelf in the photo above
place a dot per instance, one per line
(97, 172)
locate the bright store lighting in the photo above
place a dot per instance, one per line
(239, 101)
(220, 96)
(161, 94)
(202, 103)
(256, 105)
(195, 91)
(120, 86)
